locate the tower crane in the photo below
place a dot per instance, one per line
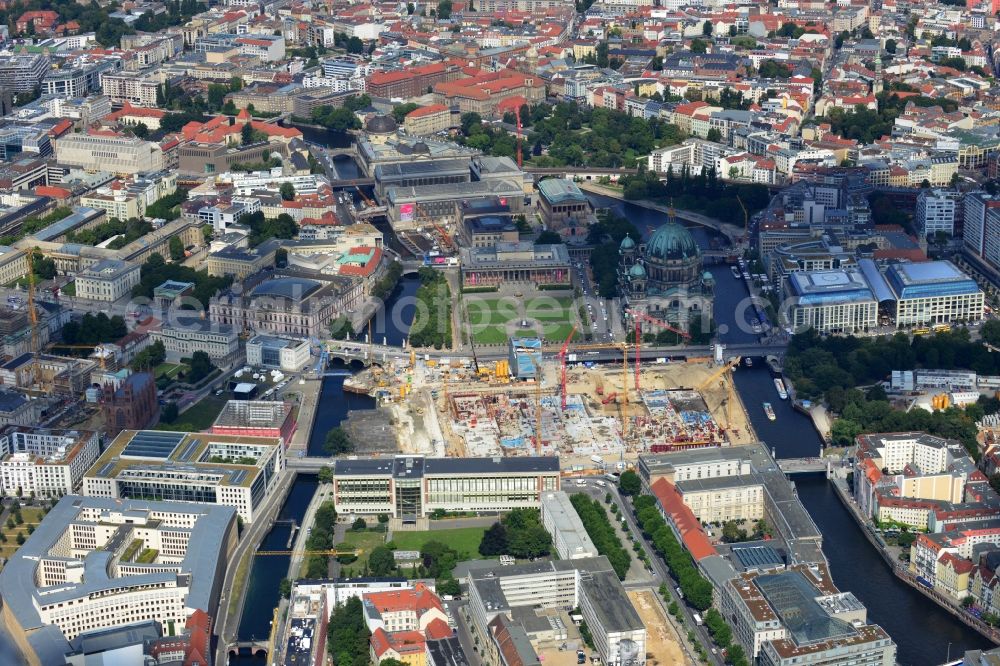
(562, 365)
(725, 370)
(623, 347)
(640, 317)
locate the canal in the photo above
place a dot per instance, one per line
(390, 325)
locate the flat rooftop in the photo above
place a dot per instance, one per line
(416, 466)
(159, 455)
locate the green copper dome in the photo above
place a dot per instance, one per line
(637, 271)
(627, 243)
(672, 241)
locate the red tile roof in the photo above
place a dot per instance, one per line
(694, 538)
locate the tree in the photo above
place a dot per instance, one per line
(714, 135)
(285, 588)
(246, 134)
(355, 45)
(20, 539)
(699, 46)
(201, 367)
(287, 191)
(890, 46)
(548, 237)
(325, 475)
(169, 412)
(359, 525)
(629, 483)
(448, 586)
(337, 442)
(444, 9)
(42, 266)
(381, 561)
(706, 28)
(176, 246)
(494, 541)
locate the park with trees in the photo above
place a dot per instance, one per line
(519, 534)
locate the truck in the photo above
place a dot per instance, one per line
(697, 619)
(597, 459)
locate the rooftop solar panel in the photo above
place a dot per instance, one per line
(238, 476)
(105, 468)
(185, 455)
(151, 444)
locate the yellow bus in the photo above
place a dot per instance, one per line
(921, 331)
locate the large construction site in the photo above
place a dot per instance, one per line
(611, 410)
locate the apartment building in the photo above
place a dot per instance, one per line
(693, 465)
(107, 280)
(123, 154)
(180, 466)
(411, 487)
(412, 82)
(428, 120)
(135, 88)
(43, 462)
(94, 563)
(724, 498)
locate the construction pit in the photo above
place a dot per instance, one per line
(679, 405)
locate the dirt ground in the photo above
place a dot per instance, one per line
(660, 376)
(662, 643)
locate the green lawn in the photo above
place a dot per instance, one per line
(365, 542)
(489, 318)
(169, 370)
(465, 540)
(199, 416)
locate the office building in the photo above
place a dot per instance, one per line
(409, 488)
(694, 464)
(107, 280)
(833, 301)
(936, 211)
(718, 500)
(182, 337)
(933, 292)
(95, 563)
(229, 470)
(256, 418)
(274, 353)
(504, 599)
(569, 536)
(45, 463)
(797, 616)
(23, 72)
(124, 155)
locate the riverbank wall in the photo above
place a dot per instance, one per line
(902, 572)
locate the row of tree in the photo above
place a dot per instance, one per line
(696, 588)
(723, 637)
(602, 532)
(321, 538)
(432, 324)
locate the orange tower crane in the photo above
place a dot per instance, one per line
(562, 365)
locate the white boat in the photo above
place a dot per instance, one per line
(736, 272)
(769, 411)
(748, 362)
(780, 387)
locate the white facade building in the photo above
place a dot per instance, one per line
(936, 212)
(569, 536)
(107, 280)
(45, 463)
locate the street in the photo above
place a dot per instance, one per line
(660, 571)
